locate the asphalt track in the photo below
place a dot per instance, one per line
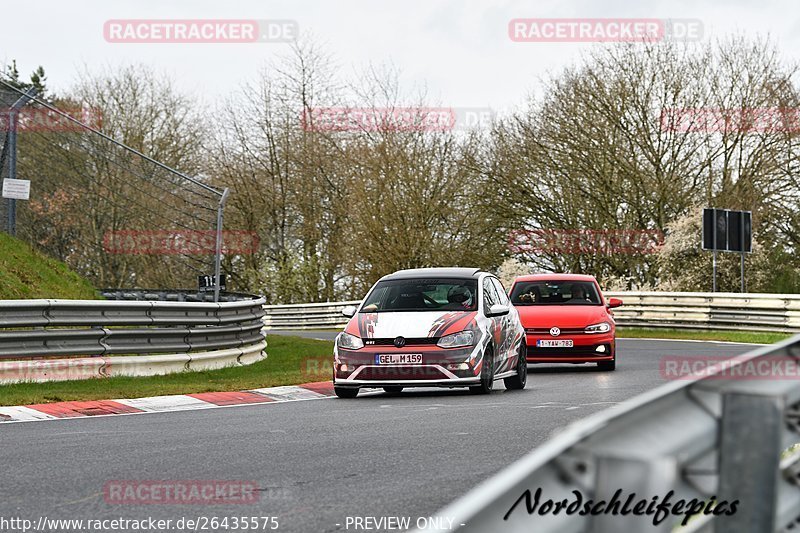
(319, 461)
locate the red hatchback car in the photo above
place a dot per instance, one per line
(566, 319)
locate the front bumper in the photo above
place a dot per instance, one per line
(457, 367)
(408, 376)
(584, 350)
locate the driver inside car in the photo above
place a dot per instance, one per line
(578, 295)
(459, 297)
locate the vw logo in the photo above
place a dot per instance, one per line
(555, 332)
(399, 342)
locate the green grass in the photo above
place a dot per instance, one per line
(291, 360)
(26, 273)
(703, 335)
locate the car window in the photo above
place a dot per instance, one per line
(558, 292)
(490, 297)
(501, 292)
(422, 295)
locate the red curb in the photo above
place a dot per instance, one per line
(90, 408)
(231, 398)
(109, 407)
(322, 387)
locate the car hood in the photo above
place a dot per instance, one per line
(562, 316)
(410, 324)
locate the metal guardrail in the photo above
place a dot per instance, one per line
(181, 332)
(306, 316)
(706, 310)
(700, 310)
(718, 436)
(172, 295)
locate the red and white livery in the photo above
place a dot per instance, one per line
(431, 327)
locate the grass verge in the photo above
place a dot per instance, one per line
(27, 273)
(756, 337)
(291, 360)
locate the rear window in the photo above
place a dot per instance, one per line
(555, 293)
(422, 295)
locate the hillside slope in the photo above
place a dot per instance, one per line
(27, 273)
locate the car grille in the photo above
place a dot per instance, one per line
(546, 331)
(400, 373)
(410, 341)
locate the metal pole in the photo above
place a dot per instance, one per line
(742, 254)
(12, 170)
(714, 246)
(10, 227)
(13, 116)
(218, 253)
(741, 247)
(714, 268)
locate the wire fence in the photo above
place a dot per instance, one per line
(112, 213)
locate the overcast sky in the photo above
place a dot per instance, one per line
(459, 49)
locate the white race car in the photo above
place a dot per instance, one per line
(431, 327)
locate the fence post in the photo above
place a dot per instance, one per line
(218, 251)
(13, 116)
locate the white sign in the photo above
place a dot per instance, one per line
(17, 189)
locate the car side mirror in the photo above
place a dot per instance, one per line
(614, 302)
(498, 310)
(349, 311)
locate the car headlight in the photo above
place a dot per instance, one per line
(602, 327)
(350, 342)
(457, 340)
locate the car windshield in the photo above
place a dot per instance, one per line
(422, 295)
(555, 293)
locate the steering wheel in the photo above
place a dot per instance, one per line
(430, 300)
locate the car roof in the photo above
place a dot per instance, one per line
(556, 277)
(454, 272)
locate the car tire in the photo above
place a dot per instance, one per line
(345, 392)
(607, 366)
(519, 381)
(393, 390)
(487, 374)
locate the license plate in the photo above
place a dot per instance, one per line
(560, 343)
(399, 359)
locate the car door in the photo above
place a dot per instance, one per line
(490, 298)
(508, 329)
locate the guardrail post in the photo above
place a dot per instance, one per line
(645, 477)
(749, 460)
